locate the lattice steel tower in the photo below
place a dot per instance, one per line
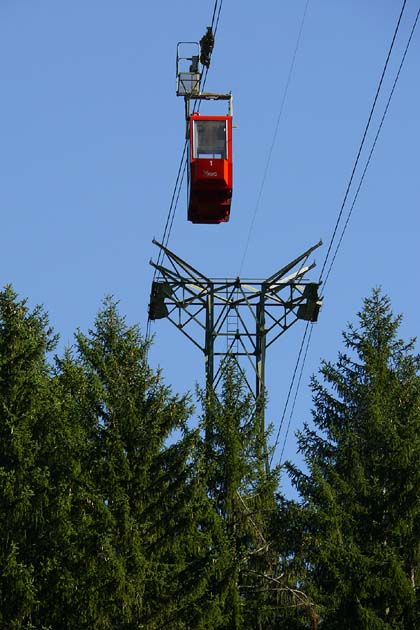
(233, 318)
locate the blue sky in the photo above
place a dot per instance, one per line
(91, 137)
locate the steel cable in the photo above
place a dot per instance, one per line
(276, 129)
(373, 147)
(363, 140)
(348, 215)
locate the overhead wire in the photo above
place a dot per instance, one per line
(289, 393)
(276, 129)
(169, 219)
(348, 214)
(375, 100)
(310, 328)
(397, 76)
(215, 18)
(175, 197)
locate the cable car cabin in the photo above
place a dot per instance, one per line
(210, 175)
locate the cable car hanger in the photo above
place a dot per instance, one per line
(210, 137)
(188, 82)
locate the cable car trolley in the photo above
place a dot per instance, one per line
(210, 180)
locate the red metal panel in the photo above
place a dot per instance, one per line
(210, 177)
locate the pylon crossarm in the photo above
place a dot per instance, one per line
(292, 264)
(289, 300)
(291, 281)
(190, 293)
(164, 272)
(199, 291)
(250, 288)
(222, 300)
(189, 308)
(252, 296)
(187, 300)
(299, 273)
(176, 260)
(235, 286)
(170, 275)
(295, 293)
(279, 318)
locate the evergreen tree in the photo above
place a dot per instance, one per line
(25, 339)
(149, 544)
(105, 521)
(242, 492)
(357, 529)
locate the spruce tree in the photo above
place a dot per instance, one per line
(151, 540)
(25, 340)
(357, 528)
(242, 492)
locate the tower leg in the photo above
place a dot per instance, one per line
(260, 350)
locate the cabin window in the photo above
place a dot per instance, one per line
(209, 139)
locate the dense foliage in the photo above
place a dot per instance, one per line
(357, 530)
(114, 513)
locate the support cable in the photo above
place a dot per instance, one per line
(362, 141)
(289, 393)
(347, 219)
(214, 18)
(214, 26)
(297, 389)
(218, 18)
(170, 217)
(174, 200)
(372, 148)
(276, 129)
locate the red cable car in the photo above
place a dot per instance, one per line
(210, 174)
